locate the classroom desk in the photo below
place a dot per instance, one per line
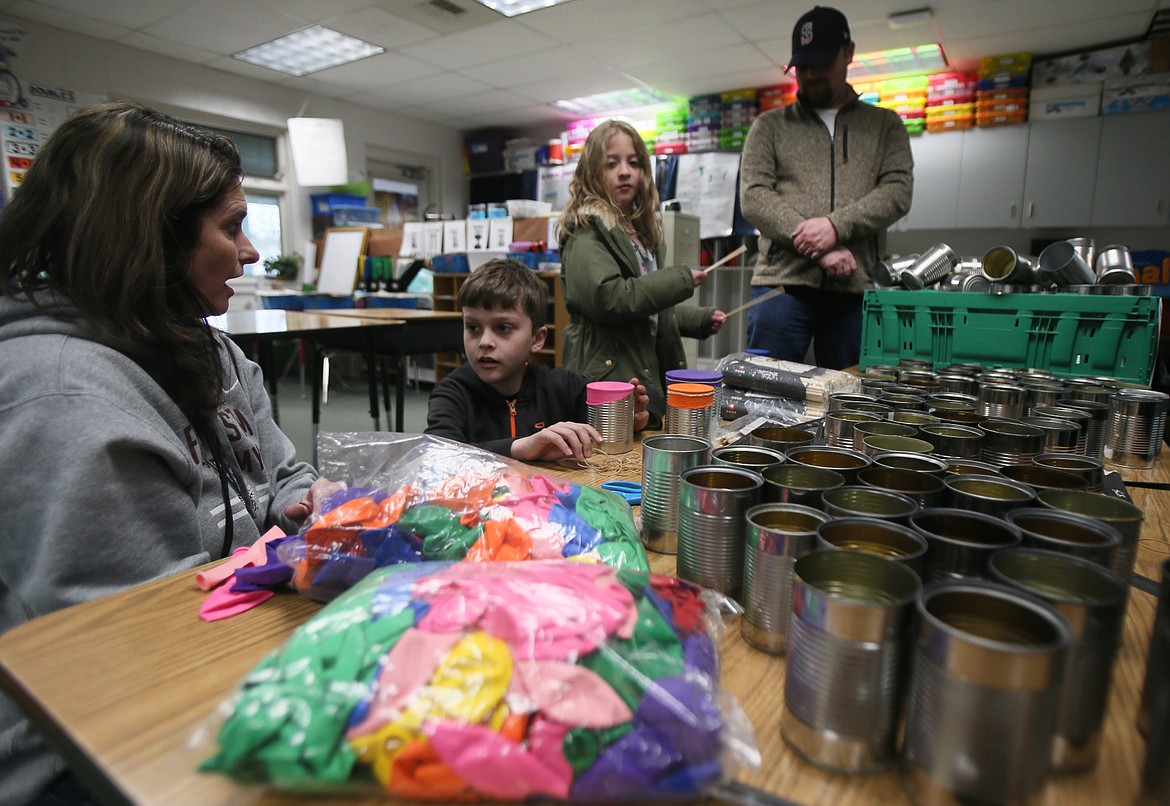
(259, 329)
(122, 684)
(422, 332)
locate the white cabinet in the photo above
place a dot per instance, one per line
(1133, 173)
(991, 180)
(935, 205)
(1062, 172)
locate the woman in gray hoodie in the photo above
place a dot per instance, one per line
(137, 441)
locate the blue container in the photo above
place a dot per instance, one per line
(391, 302)
(455, 263)
(321, 301)
(284, 302)
(324, 203)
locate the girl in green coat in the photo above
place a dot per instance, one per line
(624, 313)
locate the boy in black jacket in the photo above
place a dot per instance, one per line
(498, 401)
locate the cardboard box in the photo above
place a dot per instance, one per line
(1142, 93)
(1066, 101)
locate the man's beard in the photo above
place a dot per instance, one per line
(819, 96)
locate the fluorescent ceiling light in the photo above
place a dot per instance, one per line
(611, 101)
(308, 51)
(898, 61)
(513, 8)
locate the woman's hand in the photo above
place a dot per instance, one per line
(316, 495)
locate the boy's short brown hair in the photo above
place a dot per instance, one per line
(506, 283)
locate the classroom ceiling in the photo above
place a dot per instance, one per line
(480, 69)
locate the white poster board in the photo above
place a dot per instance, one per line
(477, 234)
(318, 151)
(706, 188)
(499, 234)
(433, 239)
(344, 247)
(455, 236)
(412, 240)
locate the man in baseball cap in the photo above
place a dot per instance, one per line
(821, 179)
(818, 37)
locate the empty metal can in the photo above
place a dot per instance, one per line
(712, 504)
(1054, 530)
(984, 695)
(777, 535)
(780, 438)
(664, 458)
(960, 543)
(850, 612)
(799, 484)
(1136, 427)
(843, 460)
(887, 539)
(933, 265)
(1091, 470)
(1092, 600)
(991, 495)
(1122, 515)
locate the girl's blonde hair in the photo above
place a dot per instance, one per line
(589, 197)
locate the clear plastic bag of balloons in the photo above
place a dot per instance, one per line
(413, 498)
(551, 679)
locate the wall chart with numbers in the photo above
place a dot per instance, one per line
(27, 122)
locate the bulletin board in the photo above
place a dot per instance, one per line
(27, 122)
(344, 249)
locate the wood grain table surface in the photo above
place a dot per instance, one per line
(125, 683)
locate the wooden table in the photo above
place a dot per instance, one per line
(422, 332)
(259, 329)
(122, 684)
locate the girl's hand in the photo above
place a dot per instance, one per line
(641, 406)
(717, 320)
(699, 276)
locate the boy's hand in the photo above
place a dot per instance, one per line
(314, 497)
(641, 403)
(557, 441)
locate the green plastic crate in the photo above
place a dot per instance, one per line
(1071, 335)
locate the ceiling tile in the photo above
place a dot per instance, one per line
(375, 71)
(557, 89)
(567, 21)
(700, 65)
(380, 27)
(225, 26)
(670, 40)
(315, 10)
(556, 62)
(431, 89)
(471, 15)
(168, 47)
(485, 44)
(131, 14)
(67, 20)
(486, 101)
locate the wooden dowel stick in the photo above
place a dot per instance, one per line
(774, 292)
(725, 258)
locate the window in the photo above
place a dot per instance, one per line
(257, 152)
(262, 226)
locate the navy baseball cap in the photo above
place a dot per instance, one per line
(818, 36)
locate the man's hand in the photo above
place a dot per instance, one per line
(838, 263)
(814, 237)
(557, 441)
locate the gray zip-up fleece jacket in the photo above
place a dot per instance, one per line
(106, 486)
(861, 179)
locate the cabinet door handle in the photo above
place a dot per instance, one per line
(1031, 209)
(1012, 211)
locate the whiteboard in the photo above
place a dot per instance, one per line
(344, 247)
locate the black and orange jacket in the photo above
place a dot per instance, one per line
(464, 408)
